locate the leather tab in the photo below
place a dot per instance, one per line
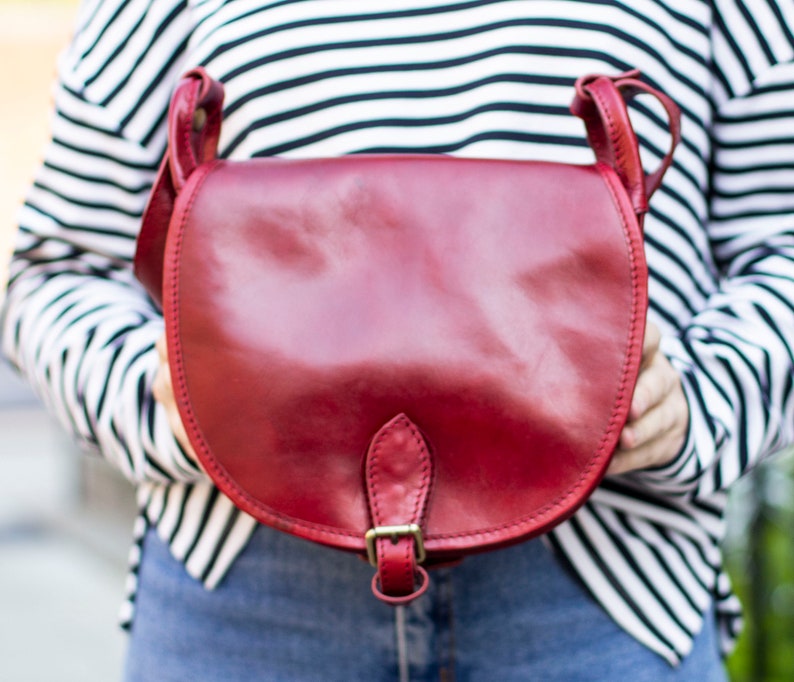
(398, 473)
(188, 146)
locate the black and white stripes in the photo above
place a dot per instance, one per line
(477, 78)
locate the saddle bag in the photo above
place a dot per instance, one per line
(411, 357)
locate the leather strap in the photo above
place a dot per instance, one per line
(601, 101)
(398, 472)
(194, 124)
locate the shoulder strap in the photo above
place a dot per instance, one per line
(194, 124)
(601, 102)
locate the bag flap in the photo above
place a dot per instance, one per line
(503, 315)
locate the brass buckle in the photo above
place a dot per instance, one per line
(394, 532)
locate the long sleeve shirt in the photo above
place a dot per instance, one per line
(479, 78)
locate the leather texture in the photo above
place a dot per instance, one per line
(376, 341)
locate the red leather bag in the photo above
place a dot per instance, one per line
(412, 357)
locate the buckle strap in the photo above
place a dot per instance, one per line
(394, 533)
(398, 472)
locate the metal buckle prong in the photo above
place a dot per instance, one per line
(394, 532)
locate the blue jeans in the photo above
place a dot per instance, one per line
(292, 611)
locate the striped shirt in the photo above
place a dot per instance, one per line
(477, 78)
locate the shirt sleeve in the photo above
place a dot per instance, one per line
(75, 322)
(735, 357)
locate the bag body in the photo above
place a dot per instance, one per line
(409, 356)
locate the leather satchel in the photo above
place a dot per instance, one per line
(412, 357)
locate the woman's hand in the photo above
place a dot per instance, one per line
(163, 391)
(653, 435)
(659, 413)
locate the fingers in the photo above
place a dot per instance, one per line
(162, 388)
(646, 391)
(659, 414)
(655, 382)
(646, 457)
(654, 439)
(650, 343)
(162, 349)
(163, 392)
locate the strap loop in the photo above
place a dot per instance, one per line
(421, 587)
(194, 124)
(601, 101)
(188, 146)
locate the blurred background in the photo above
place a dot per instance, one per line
(66, 518)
